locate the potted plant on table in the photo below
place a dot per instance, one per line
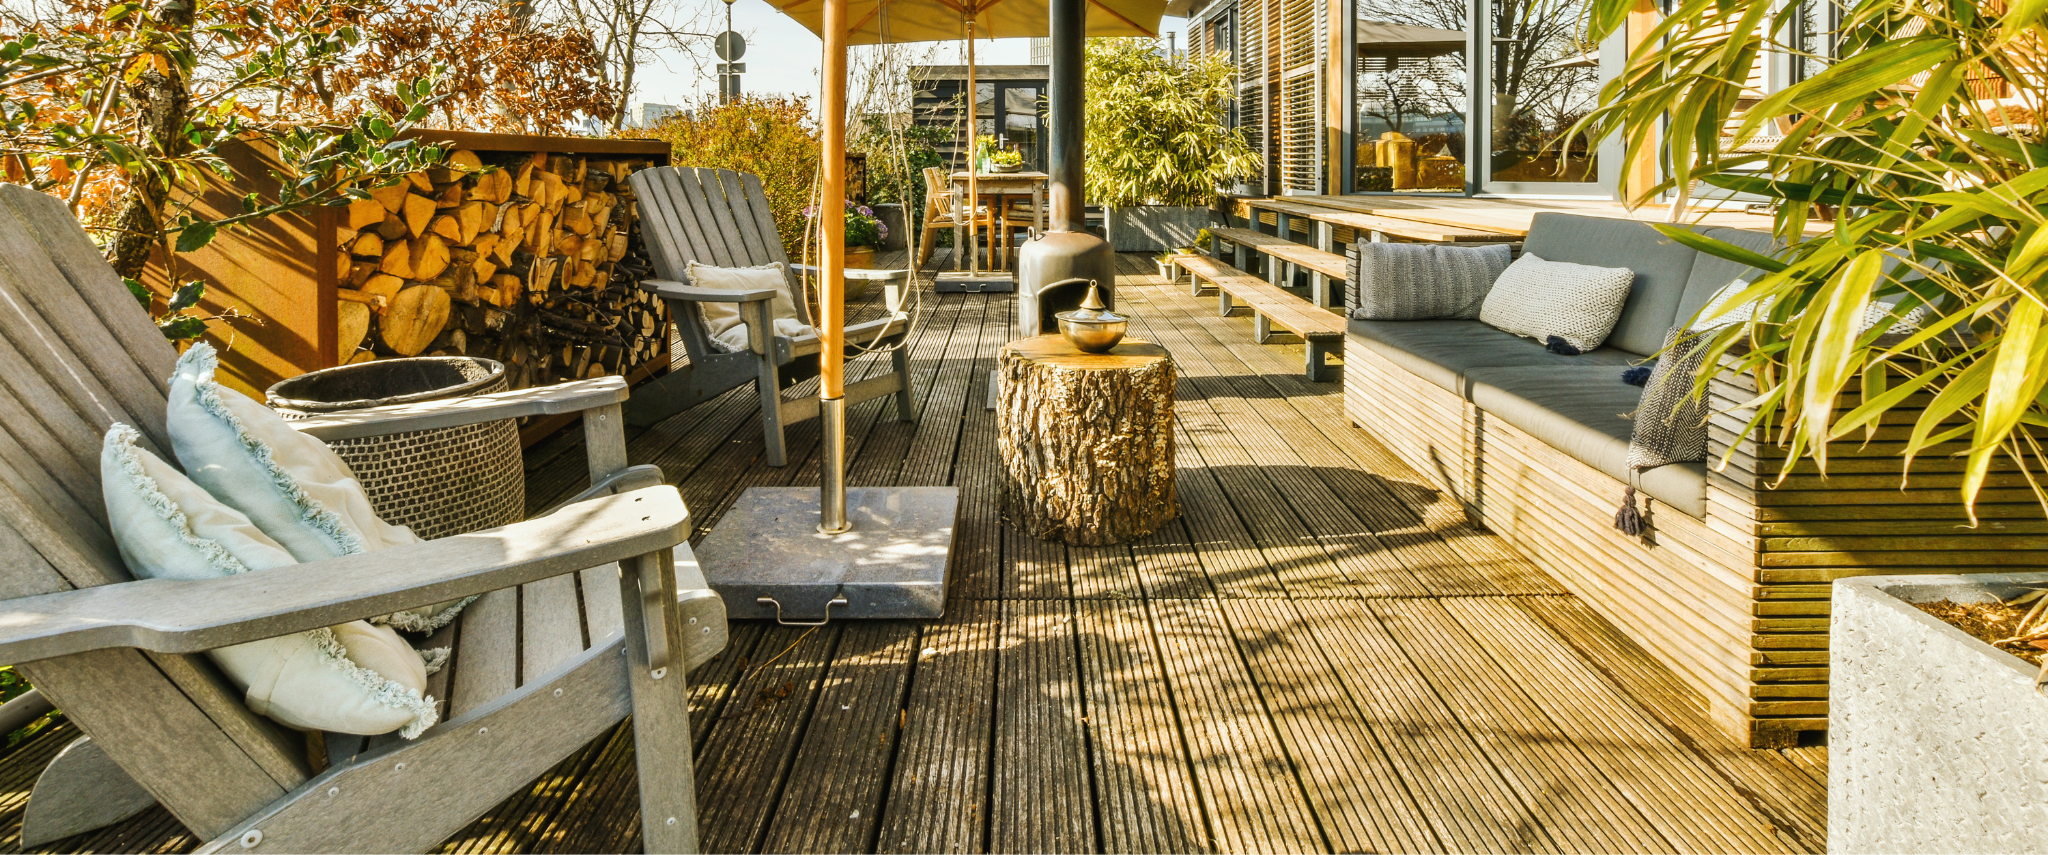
(864, 232)
(1157, 149)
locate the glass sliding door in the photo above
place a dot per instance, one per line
(1541, 75)
(1410, 96)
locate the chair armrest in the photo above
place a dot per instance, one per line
(190, 616)
(857, 273)
(572, 397)
(669, 289)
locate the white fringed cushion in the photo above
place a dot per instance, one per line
(1539, 299)
(722, 320)
(352, 678)
(295, 488)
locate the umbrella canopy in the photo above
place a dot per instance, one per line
(876, 22)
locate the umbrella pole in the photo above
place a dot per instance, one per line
(973, 156)
(831, 302)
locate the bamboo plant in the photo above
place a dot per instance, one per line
(1904, 172)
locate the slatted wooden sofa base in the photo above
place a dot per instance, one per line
(1321, 332)
(1736, 602)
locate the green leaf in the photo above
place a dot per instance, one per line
(136, 290)
(195, 234)
(186, 297)
(182, 328)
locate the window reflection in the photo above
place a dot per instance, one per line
(1412, 100)
(1545, 77)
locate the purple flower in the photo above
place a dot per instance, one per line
(810, 212)
(865, 211)
(884, 229)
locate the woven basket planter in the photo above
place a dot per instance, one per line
(437, 482)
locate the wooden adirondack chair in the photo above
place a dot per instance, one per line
(523, 689)
(720, 217)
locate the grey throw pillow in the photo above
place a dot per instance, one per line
(1421, 282)
(1670, 423)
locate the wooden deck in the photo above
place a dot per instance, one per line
(1320, 655)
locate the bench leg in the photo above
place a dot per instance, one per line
(1223, 305)
(1262, 329)
(1319, 289)
(1317, 351)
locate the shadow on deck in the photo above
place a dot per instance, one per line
(1319, 655)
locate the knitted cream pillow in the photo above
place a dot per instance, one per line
(292, 486)
(1576, 302)
(352, 678)
(722, 320)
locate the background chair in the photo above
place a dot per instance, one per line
(721, 218)
(945, 206)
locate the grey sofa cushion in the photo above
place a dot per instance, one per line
(1442, 352)
(1662, 267)
(1421, 281)
(1577, 410)
(1710, 273)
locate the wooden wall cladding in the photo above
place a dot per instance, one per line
(521, 249)
(1736, 603)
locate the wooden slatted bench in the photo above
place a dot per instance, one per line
(1329, 266)
(1321, 331)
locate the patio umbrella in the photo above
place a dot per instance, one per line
(865, 22)
(875, 22)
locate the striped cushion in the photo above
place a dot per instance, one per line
(1421, 282)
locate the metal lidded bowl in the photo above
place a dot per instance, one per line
(1093, 328)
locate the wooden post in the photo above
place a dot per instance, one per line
(831, 303)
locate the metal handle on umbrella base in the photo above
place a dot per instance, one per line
(771, 601)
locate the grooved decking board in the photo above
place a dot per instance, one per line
(1658, 773)
(740, 771)
(1357, 794)
(834, 795)
(1105, 572)
(1774, 785)
(1469, 804)
(1042, 801)
(1560, 787)
(1168, 567)
(1235, 564)
(1144, 787)
(1034, 569)
(938, 793)
(1253, 799)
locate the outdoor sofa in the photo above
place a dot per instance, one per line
(1730, 584)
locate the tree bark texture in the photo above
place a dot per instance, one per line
(1086, 440)
(165, 99)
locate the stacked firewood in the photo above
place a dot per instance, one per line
(533, 260)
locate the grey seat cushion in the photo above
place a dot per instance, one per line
(1662, 267)
(1711, 273)
(1577, 410)
(1444, 352)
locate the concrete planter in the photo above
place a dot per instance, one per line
(1155, 228)
(1937, 741)
(891, 215)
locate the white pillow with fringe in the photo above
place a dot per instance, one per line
(292, 486)
(352, 678)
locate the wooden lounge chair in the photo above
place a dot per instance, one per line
(945, 205)
(523, 689)
(720, 217)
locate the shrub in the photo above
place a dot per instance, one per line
(770, 136)
(1154, 126)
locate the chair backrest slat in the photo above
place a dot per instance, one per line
(662, 227)
(762, 247)
(713, 226)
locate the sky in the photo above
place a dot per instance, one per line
(782, 56)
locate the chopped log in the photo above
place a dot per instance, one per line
(397, 259)
(429, 257)
(390, 197)
(420, 182)
(483, 269)
(352, 319)
(464, 160)
(577, 221)
(415, 317)
(392, 228)
(342, 264)
(449, 230)
(419, 210)
(1086, 440)
(469, 220)
(484, 244)
(494, 186)
(542, 277)
(364, 213)
(549, 191)
(507, 244)
(449, 195)
(361, 271)
(368, 245)
(383, 287)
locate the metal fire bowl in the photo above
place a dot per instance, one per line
(1092, 336)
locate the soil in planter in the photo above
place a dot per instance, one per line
(1992, 623)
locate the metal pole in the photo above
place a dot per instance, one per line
(1068, 20)
(831, 302)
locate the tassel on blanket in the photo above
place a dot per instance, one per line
(1629, 520)
(1557, 345)
(1637, 376)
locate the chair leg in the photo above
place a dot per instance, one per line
(899, 359)
(661, 703)
(770, 385)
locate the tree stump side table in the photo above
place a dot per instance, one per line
(1086, 440)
